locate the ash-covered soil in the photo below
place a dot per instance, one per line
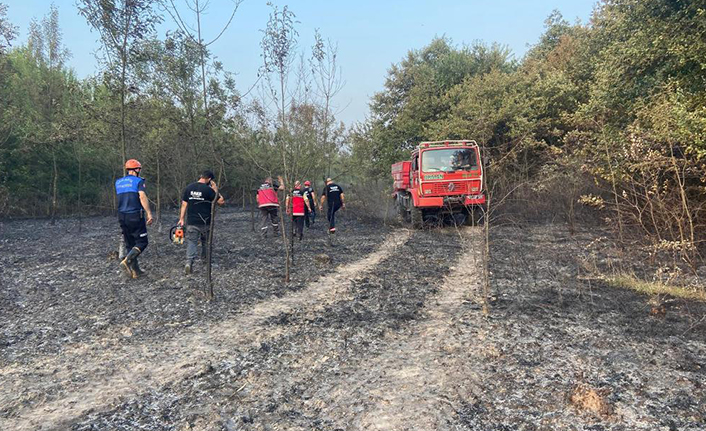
(564, 351)
(387, 335)
(62, 287)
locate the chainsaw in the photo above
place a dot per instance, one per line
(176, 234)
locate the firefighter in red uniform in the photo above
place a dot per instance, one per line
(297, 206)
(268, 203)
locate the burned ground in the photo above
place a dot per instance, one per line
(64, 287)
(564, 351)
(389, 335)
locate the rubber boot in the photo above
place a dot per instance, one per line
(128, 263)
(204, 253)
(331, 237)
(136, 268)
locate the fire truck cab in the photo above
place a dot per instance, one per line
(443, 179)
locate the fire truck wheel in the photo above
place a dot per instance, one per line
(402, 214)
(417, 218)
(479, 215)
(475, 216)
(459, 219)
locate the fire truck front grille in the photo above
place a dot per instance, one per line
(449, 188)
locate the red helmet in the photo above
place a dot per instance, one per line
(307, 183)
(133, 164)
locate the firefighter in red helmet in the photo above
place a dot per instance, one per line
(297, 206)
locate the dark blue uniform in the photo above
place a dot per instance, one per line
(130, 215)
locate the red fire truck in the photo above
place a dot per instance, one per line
(443, 180)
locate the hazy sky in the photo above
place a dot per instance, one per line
(371, 35)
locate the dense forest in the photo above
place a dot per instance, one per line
(165, 101)
(604, 119)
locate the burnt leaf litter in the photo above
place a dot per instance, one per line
(558, 351)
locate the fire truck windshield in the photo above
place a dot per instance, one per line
(449, 160)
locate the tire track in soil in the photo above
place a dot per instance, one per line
(415, 383)
(285, 382)
(109, 376)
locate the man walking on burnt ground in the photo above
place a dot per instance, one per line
(268, 203)
(196, 206)
(310, 210)
(333, 195)
(133, 205)
(297, 206)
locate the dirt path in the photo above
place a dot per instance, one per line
(413, 385)
(93, 377)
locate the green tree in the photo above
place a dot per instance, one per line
(279, 45)
(7, 30)
(41, 99)
(417, 98)
(122, 24)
